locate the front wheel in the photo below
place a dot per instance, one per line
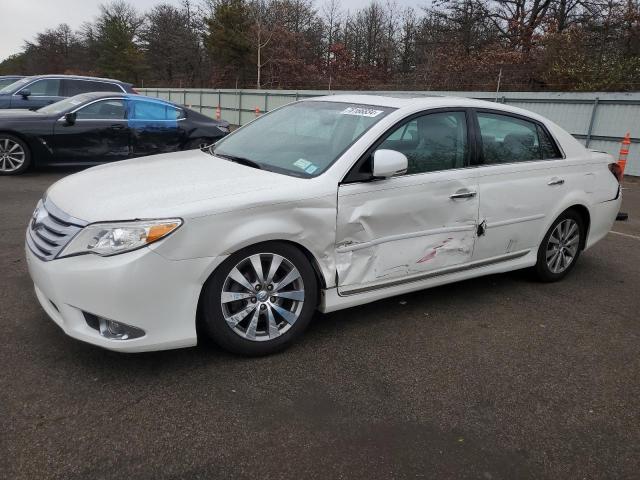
(561, 247)
(15, 156)
(260, 299)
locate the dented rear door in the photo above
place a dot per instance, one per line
(520, 181)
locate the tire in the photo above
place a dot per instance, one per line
(15, 156)
(561, 247)
(284, 310)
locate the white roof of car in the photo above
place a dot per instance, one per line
(423, 102)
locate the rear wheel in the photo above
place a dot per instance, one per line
(260, 299)
(15, 156)
(561, 247)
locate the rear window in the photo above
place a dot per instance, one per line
(154, 111)
(75, 87)
(507, 139)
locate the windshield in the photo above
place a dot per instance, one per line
(64, 105)
(302, 139)
(15, 86)
(7, 81)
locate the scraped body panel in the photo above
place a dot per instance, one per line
(396, 228)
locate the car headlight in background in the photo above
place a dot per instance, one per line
(107, 239)
(223, 128)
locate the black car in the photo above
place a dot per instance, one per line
(36, 92)
(94, 128)
(6, 80)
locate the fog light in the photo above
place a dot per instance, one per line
(118, 331)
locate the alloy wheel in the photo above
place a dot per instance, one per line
(563, 245)
(262, 297)
(12, 155)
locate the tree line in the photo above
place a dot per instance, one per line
(448, 45)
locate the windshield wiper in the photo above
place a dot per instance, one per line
(240, 160)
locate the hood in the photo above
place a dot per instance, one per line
(181, 184)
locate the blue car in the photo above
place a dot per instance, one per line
(6, 80)
(35, 92)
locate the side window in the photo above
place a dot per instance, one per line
(154, 111)
(508, 139)
(408, 132)
(175, 113)
(547, 146)
(76, 87)
(101, 87)
(102, 110)
(73, 88)
(47, 87)
(432, 142)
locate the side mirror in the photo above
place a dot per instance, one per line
(70, 118)
(25, 93)
(387, 163)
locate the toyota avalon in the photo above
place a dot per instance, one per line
(325, 204)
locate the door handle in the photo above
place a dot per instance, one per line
(117, 126)
(555, 181)
(463, 194)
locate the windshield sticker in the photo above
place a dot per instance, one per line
(361, 112)
(302, 163)
(310, 169)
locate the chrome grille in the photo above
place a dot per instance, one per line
(50, 229)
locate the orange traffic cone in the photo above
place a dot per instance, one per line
(622, 163)
(624, 152)
(257, 111)
(218, 113)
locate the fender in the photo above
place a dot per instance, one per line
(222, 234)
(570, 199)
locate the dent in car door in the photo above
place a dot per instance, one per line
(407, 226)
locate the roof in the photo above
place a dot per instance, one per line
(426, 102)
(97, 95)
(81, 77)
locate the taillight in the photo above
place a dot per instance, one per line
(616, 171)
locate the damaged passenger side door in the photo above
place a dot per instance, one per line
(412, 225)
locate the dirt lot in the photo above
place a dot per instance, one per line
(494, 378)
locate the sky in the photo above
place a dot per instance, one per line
(20, 20)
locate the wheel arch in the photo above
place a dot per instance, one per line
(27, 141)
(21, 136)
(584, 213)
(577, 203)
(315, 265)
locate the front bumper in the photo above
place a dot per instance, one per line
(140, 288)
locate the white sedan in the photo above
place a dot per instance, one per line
(322, 204)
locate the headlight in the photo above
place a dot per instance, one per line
(113, 238)
(223, 128)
